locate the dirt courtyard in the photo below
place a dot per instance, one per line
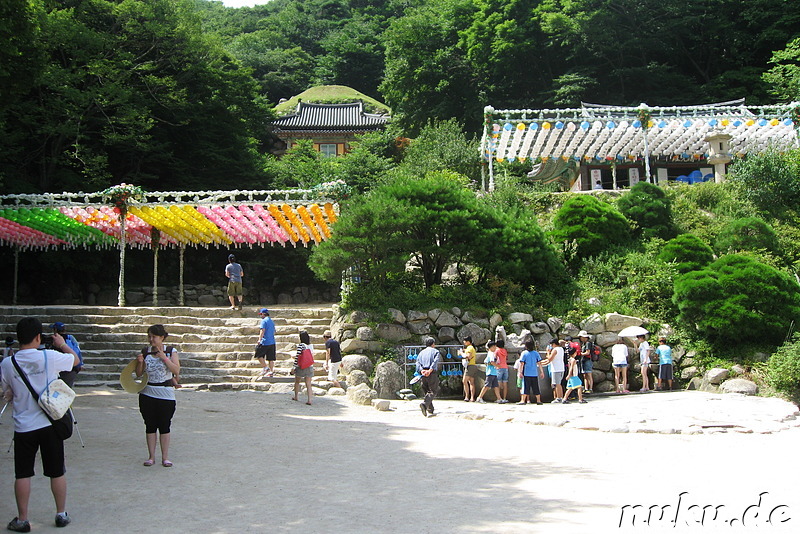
(258, 462)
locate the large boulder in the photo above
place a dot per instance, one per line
(354, 345)
(444, 318)
(593, 324)
(716, 375)
(479, 335)
(420, 327)
(359, 362)
(413, 316)
(365, 333)
(446, 334)
(361, 394)
(606, 339)
(392, 332)
(469, 317)
(515, 318)
(570, 329)
(495, 320)
(539, 328)
(555, 324)
(356, 377)
(388, 380)
(397, 316)
(739, 385)
(616, 322)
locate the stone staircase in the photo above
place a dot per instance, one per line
(216, 345)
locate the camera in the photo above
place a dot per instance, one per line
(47, 341)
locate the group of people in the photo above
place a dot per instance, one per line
(568, 362)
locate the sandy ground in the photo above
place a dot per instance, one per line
(258, 462)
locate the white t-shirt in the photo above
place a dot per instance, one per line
(28, 416)
(619, 353)
(557, 365)
(644, 353)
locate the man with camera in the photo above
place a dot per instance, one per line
(69, 376)
(32, 429)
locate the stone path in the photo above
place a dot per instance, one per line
(257, 462)
(677, 412)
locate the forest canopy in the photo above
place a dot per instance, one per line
(178, 94)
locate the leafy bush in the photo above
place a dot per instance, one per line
(771, 179)
(703, 209)
(688, 252)
(647, 205)
(749, 233)
(738, 300)
(783, 370)
(593, 225)
(628, 282)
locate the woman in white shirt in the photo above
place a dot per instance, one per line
(619, 357)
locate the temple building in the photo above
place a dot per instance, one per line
(331, 127)
(610, 147)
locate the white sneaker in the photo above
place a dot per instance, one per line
(480, 401)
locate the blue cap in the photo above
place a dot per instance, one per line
(58, 326)
(264, 311)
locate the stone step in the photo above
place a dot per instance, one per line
(216, 344)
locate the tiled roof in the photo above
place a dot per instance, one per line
(330, 117)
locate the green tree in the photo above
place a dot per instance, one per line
(434, 222)
(647, 205)
(783, 369)
(427, 74)
(282, 70)
(688, 252)
(737, 299)
(132, 91)
(770, 179)
(747, 234)
(784, 77)
(592, 225)
(442, 145)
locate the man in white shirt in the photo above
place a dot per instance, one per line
(32, 429)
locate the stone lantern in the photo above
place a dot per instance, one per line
(719, 154)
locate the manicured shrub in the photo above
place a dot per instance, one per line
(749, 233)
(783, 370)
(647, 205)
(591, 224)
(688, 252)
(738, 299)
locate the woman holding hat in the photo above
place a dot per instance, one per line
(157, 399)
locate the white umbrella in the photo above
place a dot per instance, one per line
(632, 331)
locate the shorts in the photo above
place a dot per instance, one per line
(472, 371)
(156, 413)
(556, 377)
(587, 366)
(665, 371)
(333, 371)
(491, 381)
(26, 444)
(531, 385)
(574, 382)
(234, 289)
(620, 365)
(308, 372)
(266, 351)
(502, 375)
